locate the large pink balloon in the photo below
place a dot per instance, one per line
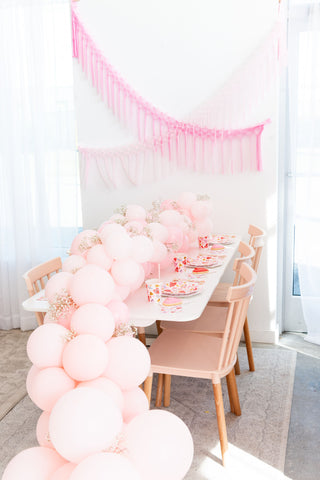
(142, 248)
(159, 438)
(36, 463)
(64, 472)
(92, 284)
(82, 422)
(120, 311)
(158, 231)
(84, 241)
(139, 280)
(48, 386)
(57, 285)
(73, 263)
(121, 292)
(46, 344)
(129, 362)
(102, 466)
(170, 218)
(94, 319)
(159, 251)
(135, 212)
(85, 357)
(98, 256)
(118, 245)
(42, 430)
(126, 272)
(107, 386)
(31, 374)
(109, 227)
(200, 209)
(135, 403)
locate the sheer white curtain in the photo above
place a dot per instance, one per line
(304, 88)
(39, 182)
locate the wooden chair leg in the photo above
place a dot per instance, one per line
(167, 390)
(248, 345)
(142, 335)
(148, 387)
(159, 390)
(159, 329)
(233, 393)
(217, 391)
(230, 394)
(237, 367)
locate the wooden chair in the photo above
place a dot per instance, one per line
(200, 355)
(37, 277)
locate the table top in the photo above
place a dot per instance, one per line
(144, 313)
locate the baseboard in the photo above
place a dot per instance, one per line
(264, 336)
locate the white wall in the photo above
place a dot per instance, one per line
(142, 43)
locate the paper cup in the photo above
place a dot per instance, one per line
(180, 263)
(203, 242)
(153, 290)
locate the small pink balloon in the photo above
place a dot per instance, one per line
(186, 199)
(169, 218)
(82, 422)
(94, 319)
(106, 385)
(73, 263)
(97, 256)
(57, 285)
(129, 362)
(135, 212)
(84, 241)
(64, 472)
(158, 231)
(139, 280)
(175, 237)
(110, 227)
(135, 226)
(120, 311)
(64, 318)
(185, 244)
(200, 209)
(85, 357)
(105, 465)
(121, 292)
(36, 463)
(126, 272)
(48, 386)
(135, 403)
(142, 248)
(159, 252)
(46, 344)
(166, 263)
(205, 227)
(92, 284)
(117, 245)
(42, 430)
(148, 444)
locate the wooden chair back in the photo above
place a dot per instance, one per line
(256, 241)
(239, 297)
(247, 254)
(37, 277)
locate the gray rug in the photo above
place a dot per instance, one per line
(14, 366)
(257, 439)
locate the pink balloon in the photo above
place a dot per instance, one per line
(64, 318)
(108, 227)
(186, 199)
(148, 444)
(107, 386)
(160, 251)
(166, 263)
(169, 218)
(117, 245)
(84, 241)
(135, 403)
(200, 209)
(205, 227)
(85, 357)
(42, 430)
(31, 374)
(46, 344)
(48, 386)
(135, 226)
(121, 292)
(120, 311)
(185, 244)
(147, 267)
(57, 285)
(82, 422)
(142, 249)
(135, 212)
(92, 284)
(73, 263)
(126, 272)
(129, 362)
(94, 319)
(139, 281)
(102, 466)
(98, 256)
(64, 472)
(175, 237)
(158, 231)
(36, 463)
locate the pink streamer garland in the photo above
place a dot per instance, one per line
(157, 132)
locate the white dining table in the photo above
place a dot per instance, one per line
(144, 313)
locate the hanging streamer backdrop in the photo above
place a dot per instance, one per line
(165, 143)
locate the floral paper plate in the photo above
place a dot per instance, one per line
(180, 288)
(223, 239)
(203, 261)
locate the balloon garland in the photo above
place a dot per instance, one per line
(87, 364)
